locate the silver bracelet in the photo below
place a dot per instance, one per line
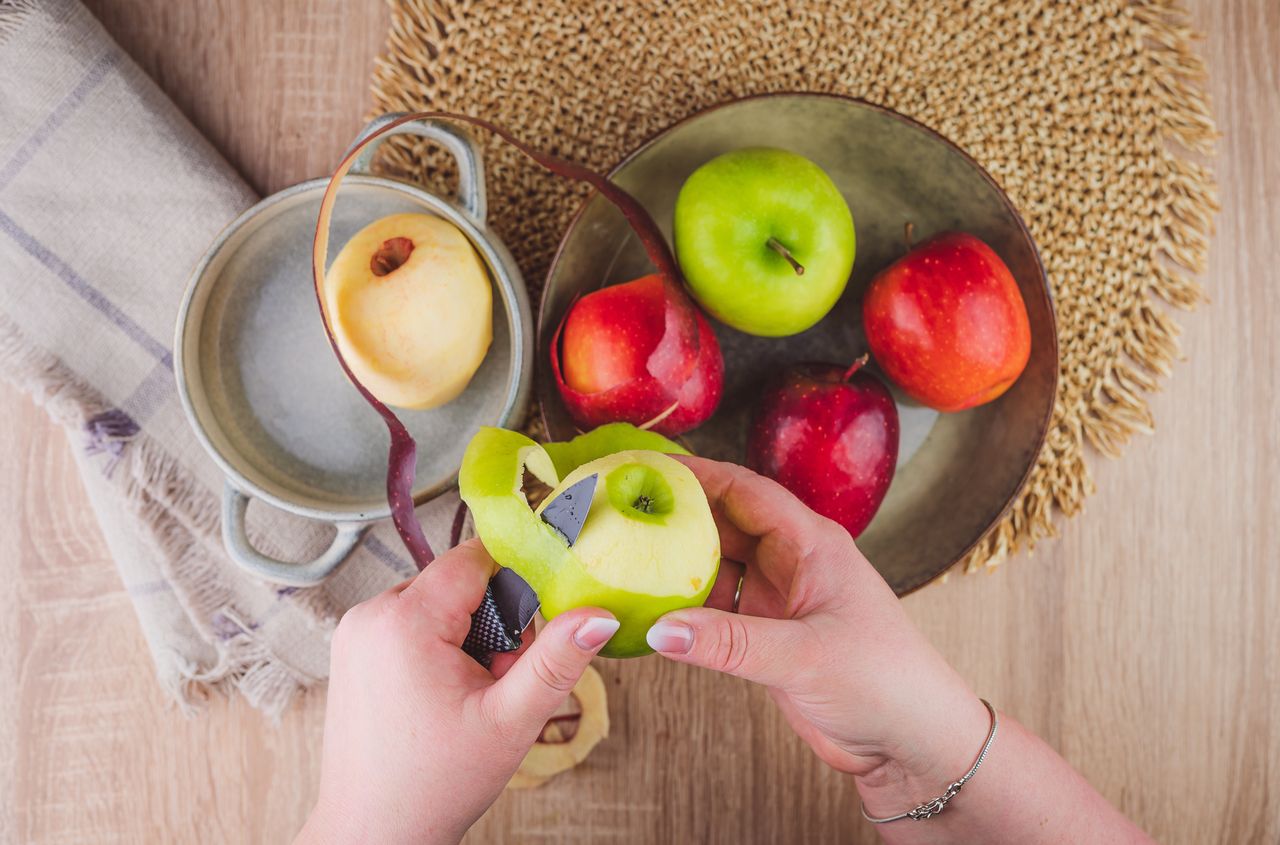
(930, 809)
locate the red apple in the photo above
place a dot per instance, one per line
(947, 324)
(638, 352)
(829, 434)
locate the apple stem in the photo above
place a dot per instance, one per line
(856, 365)
(776, 245)
(907, 234)
(660, 417)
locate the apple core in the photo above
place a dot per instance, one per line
(640, 492)
(393, 253)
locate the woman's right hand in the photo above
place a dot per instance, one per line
(819, 627)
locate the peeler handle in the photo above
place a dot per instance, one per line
(236, 541)
(471, 197)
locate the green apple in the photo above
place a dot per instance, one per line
(649, 544)
(764, 239)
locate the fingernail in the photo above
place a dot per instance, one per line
(670, 637)
(595, 632)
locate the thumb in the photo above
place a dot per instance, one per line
(539, 682)
(756, 648)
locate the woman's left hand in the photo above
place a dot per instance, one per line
(420, 739)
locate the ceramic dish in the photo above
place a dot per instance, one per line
(265, 395)
(957, 473)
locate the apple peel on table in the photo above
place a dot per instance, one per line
(649, 544)
(557, 749)
(638, 352)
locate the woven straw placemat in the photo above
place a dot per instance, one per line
(1089, 113)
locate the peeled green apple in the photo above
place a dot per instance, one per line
(411, 309)
(649, 544)
(764, 239)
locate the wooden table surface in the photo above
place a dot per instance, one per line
(1144, 643)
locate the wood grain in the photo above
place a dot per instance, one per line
(1144, 643)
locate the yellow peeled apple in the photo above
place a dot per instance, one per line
(411, 308)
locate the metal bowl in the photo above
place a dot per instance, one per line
(265, 395)
(957, 473)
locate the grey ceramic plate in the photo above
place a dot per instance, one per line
(957, 473)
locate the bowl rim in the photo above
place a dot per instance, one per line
(502, 269)
(1041, 277)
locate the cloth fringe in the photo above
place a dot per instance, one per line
(13, 14)
(182, 522)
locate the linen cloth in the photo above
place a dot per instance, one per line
(108, 198)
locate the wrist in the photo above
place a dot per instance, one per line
(334, 823)
(327, 825)
(936, 751)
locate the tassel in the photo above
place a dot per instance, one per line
(110, 432)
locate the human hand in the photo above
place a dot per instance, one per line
(819, 627)
(420, 739)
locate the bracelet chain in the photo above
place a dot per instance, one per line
(929, 809)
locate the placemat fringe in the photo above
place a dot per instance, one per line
(1117, 408)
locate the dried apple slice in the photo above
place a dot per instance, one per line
(546, 759)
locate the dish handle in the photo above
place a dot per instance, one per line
(236, 541)
(471, 196)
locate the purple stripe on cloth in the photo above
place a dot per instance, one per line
(149, 588)
(150, 393)
(92, 79)
(379, 550)
(227, 625)
(85, 290)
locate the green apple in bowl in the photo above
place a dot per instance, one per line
(764, 239)
(649, 544)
